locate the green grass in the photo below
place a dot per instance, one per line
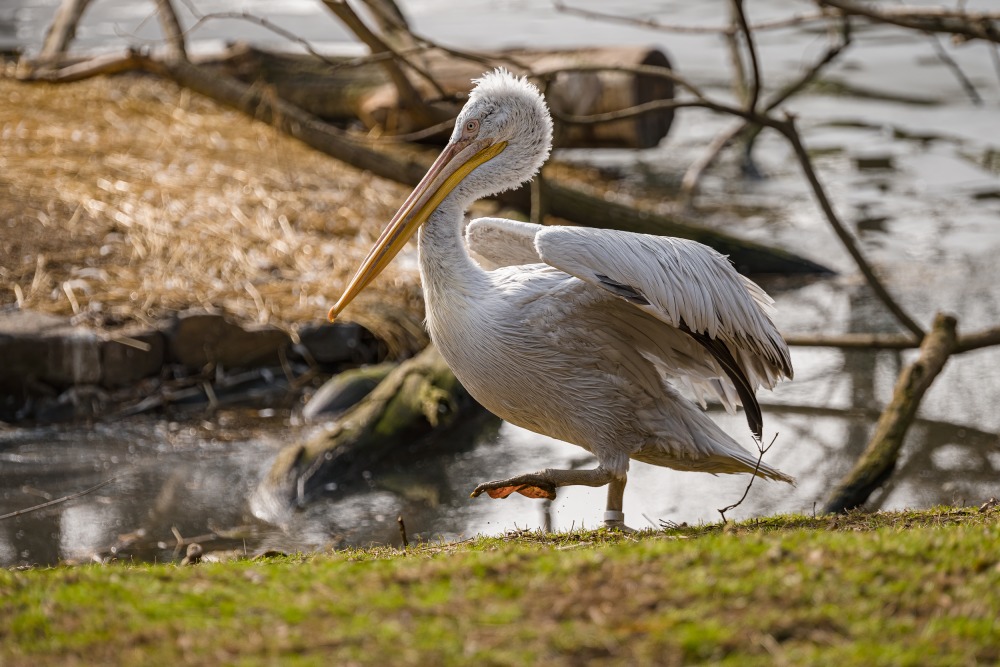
(910, 588)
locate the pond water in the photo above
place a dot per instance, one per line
(929, 224)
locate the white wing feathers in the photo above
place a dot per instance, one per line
(681, 283)
(684, 284)
(502, 242)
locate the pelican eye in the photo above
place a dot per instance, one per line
(471, 128)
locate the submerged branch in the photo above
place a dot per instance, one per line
(58, 501)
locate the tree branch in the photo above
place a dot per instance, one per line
(868, 341)
(57, 501)
(408, 94)
(695, 172)
(654, 24)
(788, 129)
(171, 29)
(970, 25)
(62, 31)
(879, 458)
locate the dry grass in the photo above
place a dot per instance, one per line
(123, 200)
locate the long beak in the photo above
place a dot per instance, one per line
(456, 161)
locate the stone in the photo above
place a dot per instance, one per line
(337, 343)
(123, 363)
(344, 390)
(41, 349)
(197, 338)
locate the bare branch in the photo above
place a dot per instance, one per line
(873, 341)
(753, 93)
(57, 501)
(995, 58)
(63, 30)
(277, 30)
(110, 63)
(970, 25)
(805, 162)
(788, 129)
(789, 22)
(879, 458)
(694, 173)
(171, 29)
(950, 63)
(760, 458)
(408, 94)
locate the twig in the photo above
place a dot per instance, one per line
(753, 94)
(760, 458)
(970, 25)
(58, 501)
(995, 57)
(402, 531)
(694, 173)
(245, 15)
(790, 132)
(736, 64)
(950, 62)
(654, 24)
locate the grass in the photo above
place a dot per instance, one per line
(905, 588)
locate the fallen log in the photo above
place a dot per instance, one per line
(590, 210)
(409, 165)
(878, 460)
(343, 89)
(419, 396)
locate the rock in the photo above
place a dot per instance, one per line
(344, 390)
(873, 160)
(37, 348)
(198, 338)
(123, 363)
(336, 343)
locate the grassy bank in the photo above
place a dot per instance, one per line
(919, 588)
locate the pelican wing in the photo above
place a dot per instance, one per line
(687, 286)
(503, 242)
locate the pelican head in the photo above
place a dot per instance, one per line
(501, 138)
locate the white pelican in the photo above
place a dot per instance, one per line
(577, 331)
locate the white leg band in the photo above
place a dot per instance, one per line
(613, 516)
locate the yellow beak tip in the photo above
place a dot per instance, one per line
(332, 315)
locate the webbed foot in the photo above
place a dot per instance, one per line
(532, 486)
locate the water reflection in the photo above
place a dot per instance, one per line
(174, 480)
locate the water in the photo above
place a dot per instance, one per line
(928, 224)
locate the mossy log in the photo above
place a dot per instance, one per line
(419, 396)
(879, 458)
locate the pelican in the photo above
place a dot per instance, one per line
(584, 335)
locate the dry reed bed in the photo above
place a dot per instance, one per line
(124, 200)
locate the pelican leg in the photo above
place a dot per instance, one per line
(614, 517)
(543, 484)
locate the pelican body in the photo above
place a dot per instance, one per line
(584, 335)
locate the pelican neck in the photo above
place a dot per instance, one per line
(445, 263)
